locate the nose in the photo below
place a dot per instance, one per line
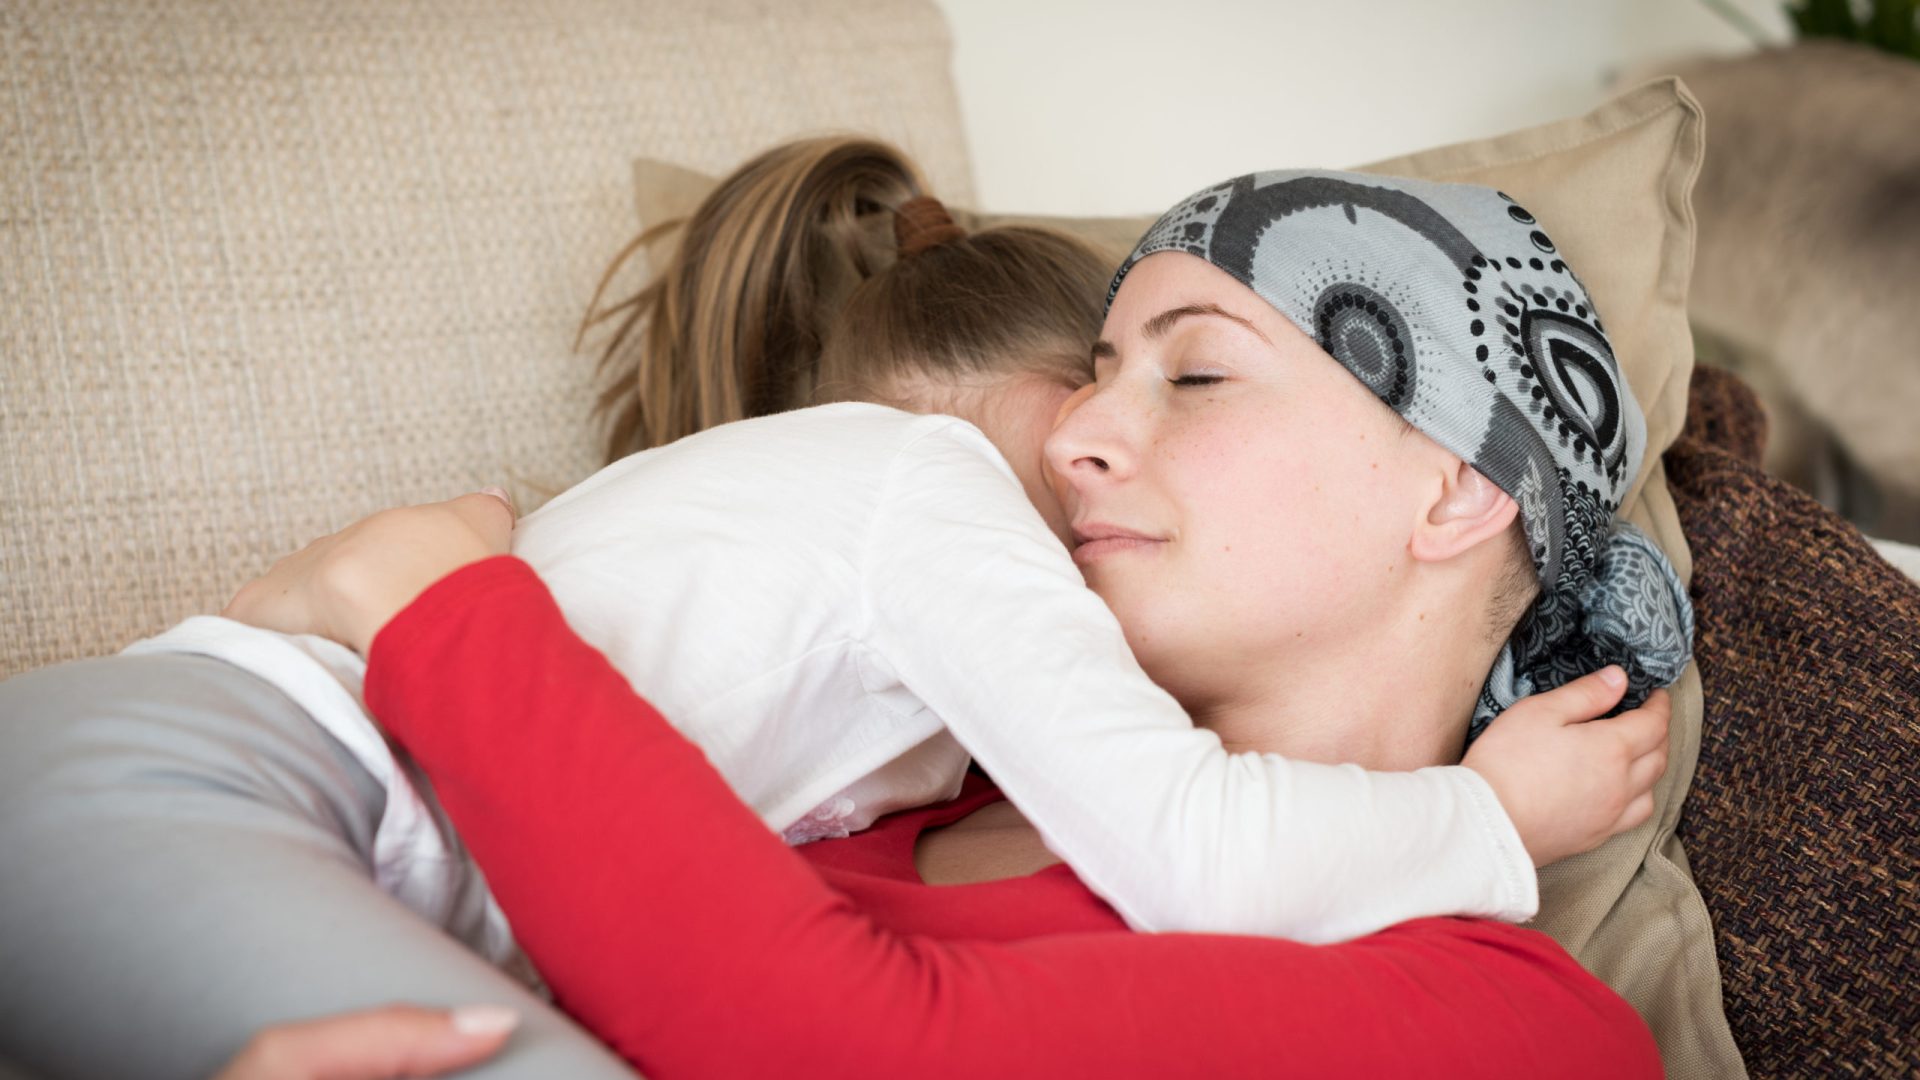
(1089, 442)
(1072, 402)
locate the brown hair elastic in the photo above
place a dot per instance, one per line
(923, 222)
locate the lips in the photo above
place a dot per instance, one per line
(1096, 540)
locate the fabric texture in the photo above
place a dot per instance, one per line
(269, 267)
(1451, 305)
(1802, 822)
(414, 858)
(750, 963)
(1616, 182)
(185, 858)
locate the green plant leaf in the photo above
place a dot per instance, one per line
(1891, 26)
(1825, 18)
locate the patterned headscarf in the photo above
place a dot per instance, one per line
(1451, 304)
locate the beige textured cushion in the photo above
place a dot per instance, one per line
(1612, 188)
(267, 267)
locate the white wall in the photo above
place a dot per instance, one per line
(1126, 106)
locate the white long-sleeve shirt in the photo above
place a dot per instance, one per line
(826, 600)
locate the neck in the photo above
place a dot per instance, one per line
(1401, 701)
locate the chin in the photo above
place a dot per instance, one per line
(1145, 627)
(1108, 590)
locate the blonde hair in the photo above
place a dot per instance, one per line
(784, 292)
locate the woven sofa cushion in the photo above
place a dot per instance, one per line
(1612, 187)
(1803, 819)
(268, 267)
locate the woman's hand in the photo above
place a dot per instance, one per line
(377, 1044)
(1569, 781)
(347, 585)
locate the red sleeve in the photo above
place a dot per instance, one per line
(673, 924)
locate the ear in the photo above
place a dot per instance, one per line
(1469, 509)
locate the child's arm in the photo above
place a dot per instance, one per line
(978, 609)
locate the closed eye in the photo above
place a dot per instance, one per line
(1198, 380)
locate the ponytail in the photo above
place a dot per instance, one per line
(732, 326)
(787, 290)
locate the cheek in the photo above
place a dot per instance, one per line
(1271, 523)
(1269, 550)
(1248, 495)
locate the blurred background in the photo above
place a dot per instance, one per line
(1808, 205)
(1126, 106)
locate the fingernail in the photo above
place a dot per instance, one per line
(484, 1019)
(498, 493)
(1613, 676)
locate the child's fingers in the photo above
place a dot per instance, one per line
(1588, 696)
(1645, 729)
(1640, 730)
(1635, 815)
(1647, 768)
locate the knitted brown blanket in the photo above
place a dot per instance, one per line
(1802, 821)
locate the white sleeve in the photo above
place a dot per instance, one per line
(982, 614)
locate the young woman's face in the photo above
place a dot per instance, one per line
(1236, 497)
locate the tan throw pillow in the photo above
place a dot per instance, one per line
(1612, 188)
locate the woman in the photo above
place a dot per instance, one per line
(1210, 399)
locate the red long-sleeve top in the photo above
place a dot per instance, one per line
(679, 930)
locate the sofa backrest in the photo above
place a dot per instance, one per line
(266, 267)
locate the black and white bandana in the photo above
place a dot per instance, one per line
(1451, 304)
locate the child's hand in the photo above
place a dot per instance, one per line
(1569, 781)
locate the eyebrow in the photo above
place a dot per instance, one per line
(1159, 325)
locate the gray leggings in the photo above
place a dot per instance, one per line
(185, 858)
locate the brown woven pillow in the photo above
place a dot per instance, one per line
(1805, 806)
